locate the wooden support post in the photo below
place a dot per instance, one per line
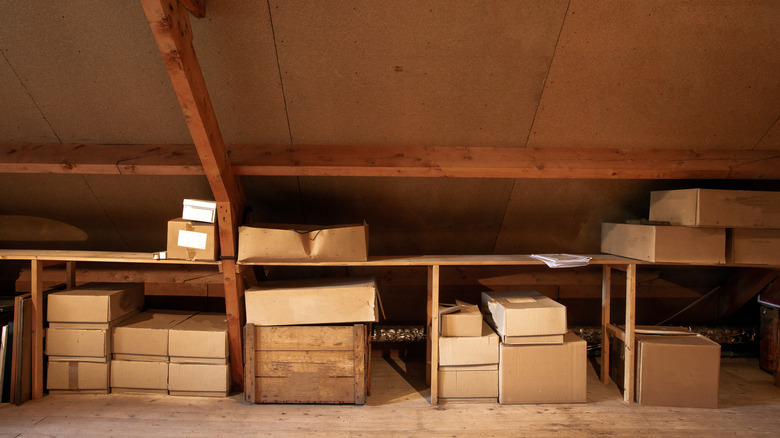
(433, 332)
(249, 363)
(36, 269)
(630, 359)
(234, 306)
(70, 274)
(606, 285)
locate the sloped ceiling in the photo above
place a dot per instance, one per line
(545, 74)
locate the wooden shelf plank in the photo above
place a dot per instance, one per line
(94, 256)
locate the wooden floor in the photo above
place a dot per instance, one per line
(398, 406)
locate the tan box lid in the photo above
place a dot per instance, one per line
(95, 302)
(292, 242)
(523, 313)
(131, 374)
(313, 301)
(203, 335)
(88, 345)
(469, 350)
(77, 375)
(199, 378)
(147, 333)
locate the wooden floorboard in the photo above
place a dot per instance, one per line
(398, 406)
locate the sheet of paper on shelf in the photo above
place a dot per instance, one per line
(562, 260)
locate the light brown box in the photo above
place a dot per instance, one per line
(94, 305)
(525, 317)
(313, 301)
(201, 338)
(471, 381)
(543, 373)
(83, 345)
(145, 336)
(664, 243)
(469, 350)
(716, 208)
(189, 240)
(77, 376)
(460, 320)
(204, 380)
(753, 246)
(139, 376)
(286, 242)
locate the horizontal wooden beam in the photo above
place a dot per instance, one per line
(398, 161)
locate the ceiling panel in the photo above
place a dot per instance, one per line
(771, 139)
(20, 120)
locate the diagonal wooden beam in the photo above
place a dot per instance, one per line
(196, 7)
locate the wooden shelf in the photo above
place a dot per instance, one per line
(442, 260)
(94, 256)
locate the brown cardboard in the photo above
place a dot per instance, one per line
(82, 345)
(283, 242)
(524, 314)
(754, 246)
(97, 303)
(469, 350)
(199, 379)
(716, 208)
(543, 373)
(460, 320)
(475, 381)
(139, 375)
(145, 336)
(74, 375)
(664, 243)
(201, 338)
(189, 240)
(312, 301)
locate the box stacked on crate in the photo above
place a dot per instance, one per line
(198, 349)
(194, 235)
(540, 361)
(307, 341)
(468, 355)
(78, 340)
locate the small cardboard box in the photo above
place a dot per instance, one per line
(282, 242)
(753, 246)
(525, 317)
(474, 381)
(312, 301)
(199, 339)
(188, 240)
(460, 320)
(199, 211)
(716, 208)
(94, 305)
(664, 243)
(83, 345)
(77, 376)
(543, 373)
(204, 380)
(139, 376)
(145, 336)
(469, 350)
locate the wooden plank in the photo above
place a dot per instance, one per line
(433, 331)
(303, 338)
(93, 256)
(70, 274)
(630, 359)
(281, 363)
(360, 362)
(196, 7)
(606, 298)
(741, 287)
(308, 389)
(234, 309)
(21, 365)
(37, 328)
(249, 364)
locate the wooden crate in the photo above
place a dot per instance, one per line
(306, 364)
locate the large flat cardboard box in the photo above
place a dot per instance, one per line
(139, 376)
(94, 305)
(474, 381)
(201, 338)
(312, 301)
(543, 373)
(753, 246)
(469, 350)
(203, 380)
(190, 240)
(77, 376)
(83, 345)
(285, 242)
(716, 208)
(664, 243)
(145, 336)
(460, 320)
(525, 317)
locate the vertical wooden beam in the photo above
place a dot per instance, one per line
(606, 285)
(70, 274)
(249, 386)
(433, 332)
(36, 269)
(630, 359)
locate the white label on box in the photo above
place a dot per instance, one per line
(192, 239)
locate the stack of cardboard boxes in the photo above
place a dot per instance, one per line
(194, 235)
(198, 349)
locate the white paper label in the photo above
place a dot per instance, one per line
(192, 239)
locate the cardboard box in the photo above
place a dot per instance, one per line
(83, 345)
(665, 243)
(188, 240)
(199, 211)
(282, 242)
(543, 373)
(139, 376)
(716, 208)
(205, 380)
(145, 336)
(201, 338)
(313, 301)
(754, 246)
(94, 305)
(525, 317)
(475, 381)
(77, 376)
(469, 350)
(461, 319)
